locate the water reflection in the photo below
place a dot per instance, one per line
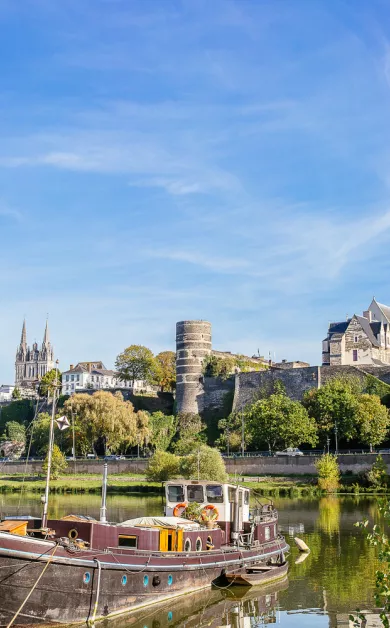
(336, 577)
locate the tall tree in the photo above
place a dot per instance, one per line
(280, 422)
(136, 363)
(205, 463)
(48, 382)
(372, 420)
(108, 417)
(166, 370)
(163, 429)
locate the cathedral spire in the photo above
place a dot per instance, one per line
(23, 339)
(46, 336)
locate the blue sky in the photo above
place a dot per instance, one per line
(171, 159)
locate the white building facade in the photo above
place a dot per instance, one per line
(6, 392)
(95, 376)
(360, 339)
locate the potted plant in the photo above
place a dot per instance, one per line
(193, 512)
(209, 518)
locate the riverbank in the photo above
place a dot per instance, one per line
(123, 484)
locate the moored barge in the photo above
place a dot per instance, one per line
(77, 569)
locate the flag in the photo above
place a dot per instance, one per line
(62, 423)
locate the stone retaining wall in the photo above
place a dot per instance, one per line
(256, 465)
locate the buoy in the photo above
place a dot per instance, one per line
(301, 545)
(302, 557)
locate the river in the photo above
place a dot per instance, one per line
(334, 580)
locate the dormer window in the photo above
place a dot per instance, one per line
(356, 339)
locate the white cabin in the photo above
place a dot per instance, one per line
(207, 493)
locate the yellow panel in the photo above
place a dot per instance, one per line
(179, 540)
(163, 540)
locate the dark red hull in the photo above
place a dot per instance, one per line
(77, 586)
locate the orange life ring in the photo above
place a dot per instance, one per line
(176, 509)
(210, 507)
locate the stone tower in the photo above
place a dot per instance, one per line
(193, 343)
(33, 363)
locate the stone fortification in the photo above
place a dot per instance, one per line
(193, 344)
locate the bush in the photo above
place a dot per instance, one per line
(328, 473)
(58, 462)
(163, 466)
(377, 475)
(205, 464)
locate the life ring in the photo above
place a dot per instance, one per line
(176, 510)
(206, 511)
(73, 534)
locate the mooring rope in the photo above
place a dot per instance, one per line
(91, 622)
(34, 587)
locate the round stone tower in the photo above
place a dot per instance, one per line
(193, 343)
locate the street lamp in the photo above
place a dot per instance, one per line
(327, 442)
(242, 434)
(335, 437)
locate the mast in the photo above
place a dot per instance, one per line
(50, 452)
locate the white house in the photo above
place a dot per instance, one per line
(95, 376)
(6, 392)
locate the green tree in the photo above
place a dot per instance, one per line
(328, 473)
(279, 422)
(231, 433)
(58, 462)
(48, 381)
(377, 475)
(166, 370)
(336, 401)
(108, 417)
(39, 432)
(15, 431)
(136, 363)
(21, 411)
(206, 463)
(162, 430)
(163, 466)
(372, 420)
(16, 394)
(190, 432)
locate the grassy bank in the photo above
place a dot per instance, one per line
(269, 486)
(84, 483)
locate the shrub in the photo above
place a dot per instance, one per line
(377, 475)
(162, 466)
(58, 462)
(328, 473)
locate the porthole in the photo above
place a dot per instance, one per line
(156, 581)
(124, 580)
(187, 545)
(146, 581)
(86, 577)
(73, 534)
(170, 579)
(170, 616)
(209, 543)
(198, 545)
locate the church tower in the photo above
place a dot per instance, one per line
(33, 363)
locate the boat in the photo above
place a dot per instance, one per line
(77, 569)
(258, 575)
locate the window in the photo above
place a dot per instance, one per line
(92, 378)
(187, 545)
(175, 493)
(127, 541)
(356, 339)
(267, 533)
(198, 545)
(67, 378)
(214, 494)
(195, 493)
(246, 497)
(355, 355)
(78, 377)
(72, 378)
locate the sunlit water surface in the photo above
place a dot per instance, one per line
(335, 579)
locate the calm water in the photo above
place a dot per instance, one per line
(336, 578)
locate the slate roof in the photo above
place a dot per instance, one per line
(385, 309)
(339, 328)
(365, 324)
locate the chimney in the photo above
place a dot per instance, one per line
(367, 314)
(71, 367)
(89, 367)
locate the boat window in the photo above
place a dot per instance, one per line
(175, 493)
(267, 533)
(187, 545)
(246, 497)
(195, 493)
(198, 545)
(127, 541)
(214, 493)
(232, 492)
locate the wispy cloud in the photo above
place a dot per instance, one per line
(10, 212)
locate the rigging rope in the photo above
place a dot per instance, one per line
(91, 622)
(34, 587)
